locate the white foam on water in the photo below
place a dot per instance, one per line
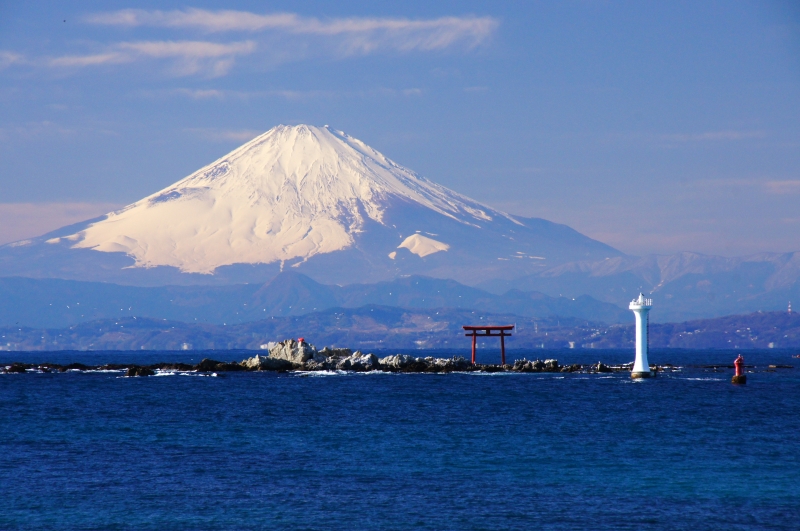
(485, 373)
(320, 373)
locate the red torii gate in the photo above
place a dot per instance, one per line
(503, 332)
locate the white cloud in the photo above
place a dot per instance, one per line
(190, 57)
(201, 94)
(355, 35)
(91, 60)
(188, 49)
(281, 38)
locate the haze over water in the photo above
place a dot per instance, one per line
(686, 450)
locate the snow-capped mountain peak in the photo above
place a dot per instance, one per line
(291, 193)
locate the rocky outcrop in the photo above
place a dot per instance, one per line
(295, 352)
(17, 368)
(396, 362)
(602, 367)
(359, 362)
(406, 363)
(327, 352)
(265, 363)
(136, 370)
(524, 365)
(301, 356)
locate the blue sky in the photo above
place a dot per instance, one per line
(655, 127)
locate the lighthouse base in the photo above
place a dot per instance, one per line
(644, 374)
(741, 379)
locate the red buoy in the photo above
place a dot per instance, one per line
(739, 377)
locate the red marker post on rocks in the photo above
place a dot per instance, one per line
(739, 377)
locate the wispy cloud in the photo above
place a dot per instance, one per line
(201, 94)
(208, 94)
(714, 136)
(41, 128)
(286, 94)
(224, 135)
(190, 57)
(783, 187)
(9, 58)
(272, 39)
(364, 34)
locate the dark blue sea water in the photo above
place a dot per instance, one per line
(686, 450)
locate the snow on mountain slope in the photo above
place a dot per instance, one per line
(292, 193)
(422, 246)
(307, 198)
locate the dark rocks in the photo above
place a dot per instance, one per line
(74, 367)
(136, 370)
(335, 352)
(602, 367)
(739, 380)
(16, 368)
(524, 365)
(109, 367)
(207, 365)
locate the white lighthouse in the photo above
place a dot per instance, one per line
(640, 307)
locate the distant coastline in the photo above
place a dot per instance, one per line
(379, 327)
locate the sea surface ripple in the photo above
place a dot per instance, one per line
(686, 450)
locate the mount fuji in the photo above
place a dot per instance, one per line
(307, 199)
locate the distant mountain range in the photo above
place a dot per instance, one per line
(356, 228)
(59, 303)
(683, 286)
(376, 327)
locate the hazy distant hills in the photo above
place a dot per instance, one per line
(379, 328)
(58, 303)
(683, 286)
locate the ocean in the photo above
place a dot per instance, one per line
(686, 450)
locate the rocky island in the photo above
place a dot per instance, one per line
(301, 356)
